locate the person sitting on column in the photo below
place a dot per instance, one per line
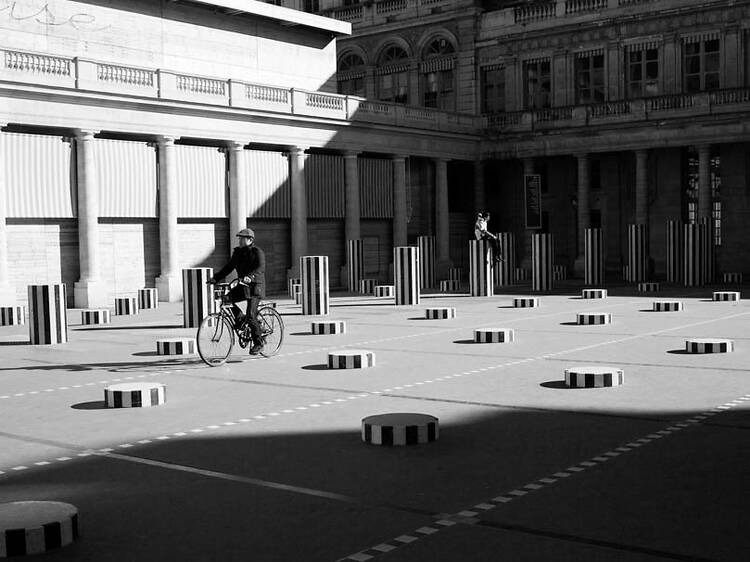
(249, 261)
(481, 233)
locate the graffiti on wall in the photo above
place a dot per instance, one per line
(46, 16)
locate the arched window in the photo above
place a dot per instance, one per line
(437, 76)
(393, 75)
(351, 75)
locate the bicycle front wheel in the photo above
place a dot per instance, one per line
(271, 329)
(215, 339)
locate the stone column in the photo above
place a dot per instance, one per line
(704, 182)
(641, 187)
(399, 201)
(442, 225)
(7, 292)
(479, 199)
(352, 230)
(583, 211)
(89, 291)
(237, 190)
(169, 282)
(299, 206)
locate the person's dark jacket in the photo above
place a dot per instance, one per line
(247, 261)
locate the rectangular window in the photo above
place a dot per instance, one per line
(590, 79)
(537, 84)
(642, 68)
(437, 90)
(354, 86)
(701, 66)
(493, 90)
(392, 87)
(311, 6)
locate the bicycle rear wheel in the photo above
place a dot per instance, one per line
(271, 329)
(215, 339)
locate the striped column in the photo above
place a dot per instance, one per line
(637, 253)
(559, 272)
(692, 256)
(454, 274)
(315, 293)
(197, 295)
(593, 257)
(707, 241)
(291, 286)
(48, 319)
(355, 265)
(504, 270)
(406, 274)
(126, 306)
(367, 286)
(12, 315)
(427, 278)
(480, 269)
(542, 253)
(148, 298)
(674, 251)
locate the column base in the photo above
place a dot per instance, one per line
(8, 295)
(579, 267)
(90, 294)
(170, 288)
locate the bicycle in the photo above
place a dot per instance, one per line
(217, 331)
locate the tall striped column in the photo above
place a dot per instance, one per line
(426, 262)
(48, 317)
(692, 256)
(707, 240)
(480, 269)
(355, 264)
(197, 295)
(542, 255)
(637, 253)
(674, 251)
(314, 276)
(505, 270)
(406, 274)
(593, 257)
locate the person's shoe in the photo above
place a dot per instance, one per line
(256, 349)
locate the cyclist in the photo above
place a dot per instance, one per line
(249, 261)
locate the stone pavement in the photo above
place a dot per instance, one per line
(262, 459)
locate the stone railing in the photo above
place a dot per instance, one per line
(534, 12)
(582, 6)
(38, 64)
(348, 13)
(199, 85)
(125, 75)
(389, 6)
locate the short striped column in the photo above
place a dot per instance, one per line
(625, 273)
(525, 302)
(328, 327)
(542, 254)
(666, 306)
(454, 274)
(726, 296)
(440, 313)
(148, 298)
(522, 274)
(559, 272)
(593, 250)
(406, 274)
(649, 287)
(12, 315)
(674, 251)
(493, 335)
(385, 291)
(594, 294)
(706, 226)
(733, 278)
(198, 300)
(126, 306)
(505, 270)
(709, 345)
(399, 429)
(292, 285)
(95, 316)
(175, 346)
(692, 255)
(367, 286)
(593, 318)
(351, 359)
(48, 318)
(594, 376)
(480, 269)
(36, 527)
(315, 292)
(298, 296)
(135, 395)
(450, 285)
(355, 263)
(637, 253)
(426, 262)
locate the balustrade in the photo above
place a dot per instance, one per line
(534, 12)
(40, 64)
(198, 85)
(267, 94)
(125, 75)
(389, 6)
(582, 6)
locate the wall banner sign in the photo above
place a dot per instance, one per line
(532, 184)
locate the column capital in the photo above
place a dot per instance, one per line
(163, 140)
(442, 159)
(641, 151)
(84, 134)
(703, 148)
(296, 149)
(236, 145)
(351, 153)
(399, 157)
(582, 155)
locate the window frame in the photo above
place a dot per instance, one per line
(529, 101)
